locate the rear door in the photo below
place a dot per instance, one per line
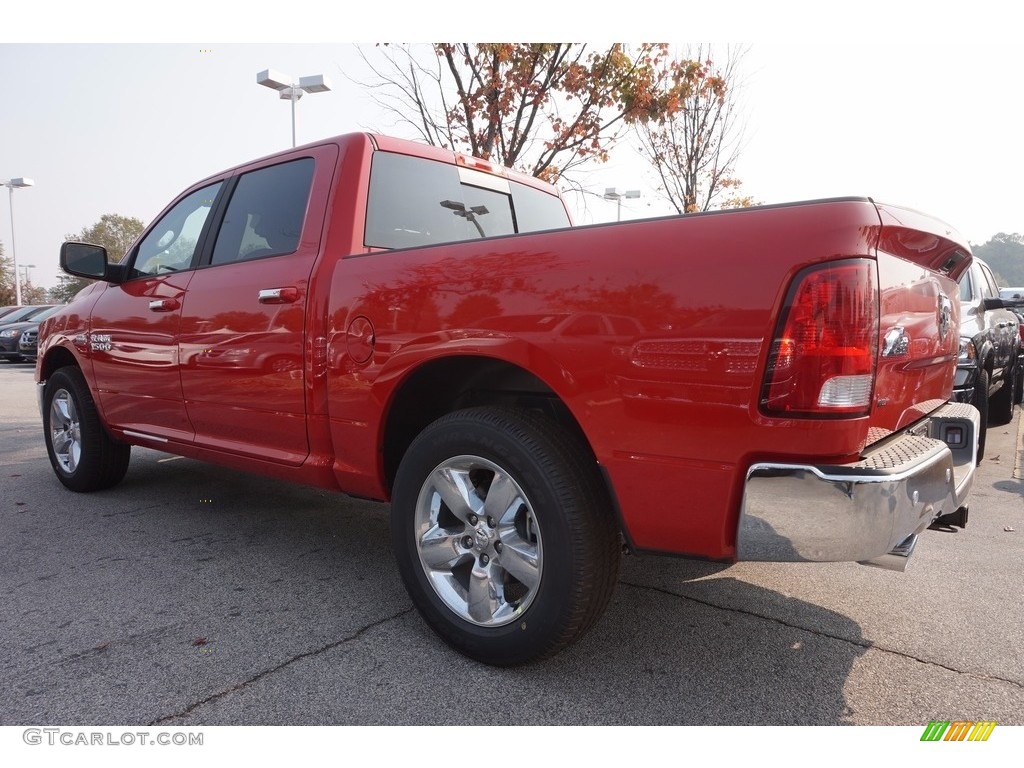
(243, 339)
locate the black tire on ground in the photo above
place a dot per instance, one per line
(1000, 406)
(82, 453)
(980, 401)
(504, 534)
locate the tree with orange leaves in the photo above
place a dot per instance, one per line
(542, 108)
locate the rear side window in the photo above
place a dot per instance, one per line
(413, 201)
(265, 214)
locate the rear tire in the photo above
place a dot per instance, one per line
(82, 453)
(504, 534)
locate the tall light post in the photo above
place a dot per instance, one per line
(614, 193)
(11, 185)
(292, 90)
(24, 269)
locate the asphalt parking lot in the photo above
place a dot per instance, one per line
(193, 595)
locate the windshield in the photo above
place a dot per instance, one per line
(45, 313)
(965, 287)
(24, 313)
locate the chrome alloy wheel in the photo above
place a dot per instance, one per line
(65, 431)
(478, 541)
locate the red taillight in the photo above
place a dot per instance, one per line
(822, 357)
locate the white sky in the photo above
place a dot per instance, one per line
(881, 104)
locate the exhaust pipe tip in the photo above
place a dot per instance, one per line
(897, 559)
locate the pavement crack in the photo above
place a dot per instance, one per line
(867, 644)
(298, 657)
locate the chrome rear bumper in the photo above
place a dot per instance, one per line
(870, 511)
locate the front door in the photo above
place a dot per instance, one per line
(134, 327)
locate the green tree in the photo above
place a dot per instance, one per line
(115, 233)
(1005, 254)
(694, 149)
(8, 293)
(543, 108)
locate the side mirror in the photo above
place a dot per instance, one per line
(987, 304)
(83, 260)
(87, 260)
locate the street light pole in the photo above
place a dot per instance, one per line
(293, 96)
(614, 193)
(11, 185)
(24, 269)
(292, 90)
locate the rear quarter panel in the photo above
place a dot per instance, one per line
(671, 411)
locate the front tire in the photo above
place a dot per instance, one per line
(503, 534)
(980, 401)
(1000, 407)
(83, 455)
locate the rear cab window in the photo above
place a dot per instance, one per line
(415, 201)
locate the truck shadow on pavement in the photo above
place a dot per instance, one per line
(197, 595)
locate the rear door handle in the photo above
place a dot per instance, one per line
(163, 305)
(278, 295)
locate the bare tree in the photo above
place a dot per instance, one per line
(694, 149)
(543, 108)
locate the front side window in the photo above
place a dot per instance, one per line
(171, 244)
(266, 212)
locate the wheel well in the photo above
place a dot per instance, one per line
(442, 386)
(57, 358)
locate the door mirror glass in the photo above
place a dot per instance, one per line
(84, 260)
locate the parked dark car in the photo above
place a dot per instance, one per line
(11, 332)
(29, 342)
(25, 312)
(988, 370)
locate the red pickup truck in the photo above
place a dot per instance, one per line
(403, 323)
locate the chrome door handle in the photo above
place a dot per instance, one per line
(163, 305)
(278, 295)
